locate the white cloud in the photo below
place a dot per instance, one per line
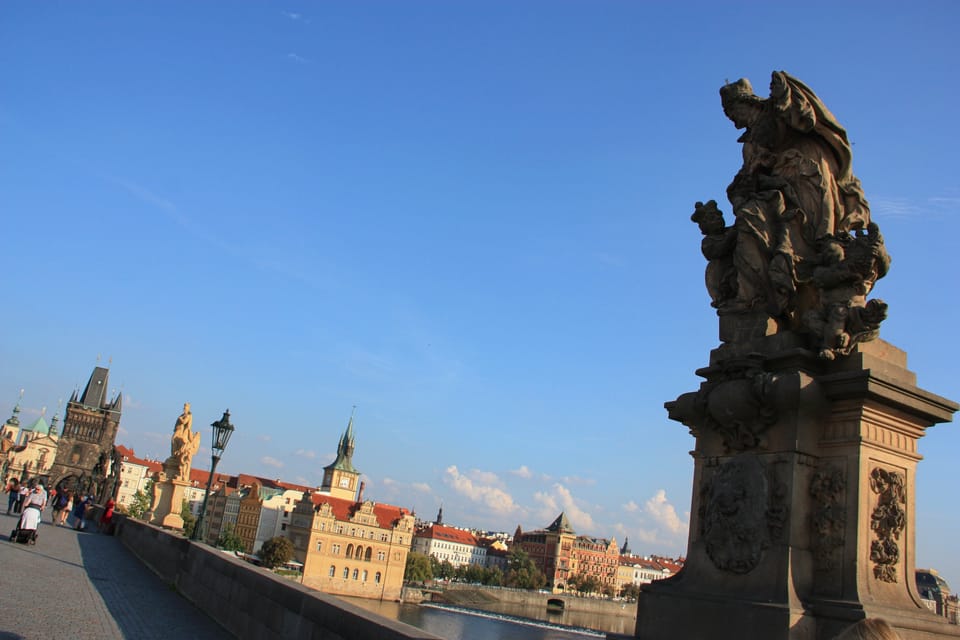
(422, 487)
(560, 499)
(292, 15)
(305, 453)
(263, 438)
(296, 58)
(660, 509)
(577, 480)
(271, 462)
(523, 472)
(388, 482)
(485, 477)
(631, 507)
(494, 498)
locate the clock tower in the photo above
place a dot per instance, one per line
(340, 478)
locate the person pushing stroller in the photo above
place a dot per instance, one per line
(29, 522)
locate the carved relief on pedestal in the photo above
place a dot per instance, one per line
(740, 405)
(829, 517)
(741, 512)
(887, 521)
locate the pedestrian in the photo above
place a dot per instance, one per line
(107, 518)
(60, 502)
(80, 511)
(21, 496)
(869, 629)
(68, 506)
(13, 492)
(36, 498)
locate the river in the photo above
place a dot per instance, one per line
(511, 623)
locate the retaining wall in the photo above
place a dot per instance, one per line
(248, 601)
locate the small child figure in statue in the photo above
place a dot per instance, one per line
(719, 242)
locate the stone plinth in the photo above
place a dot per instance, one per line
(168, 495)
(802, 517)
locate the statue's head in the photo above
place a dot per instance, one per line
(740, 103)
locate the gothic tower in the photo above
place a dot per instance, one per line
(85, 453)
(340, 477)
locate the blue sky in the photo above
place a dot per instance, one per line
(470, 220)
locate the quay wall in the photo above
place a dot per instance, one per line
(248, 601)
(482, 597)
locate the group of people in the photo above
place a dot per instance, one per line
(68, 508)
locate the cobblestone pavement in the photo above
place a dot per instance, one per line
(83, 586)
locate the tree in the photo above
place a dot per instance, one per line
(522, 572)
(275, 552)
(419, 568)
(229, 539)
(447, 570)
(142, 501)
(630, 591)
(189, 520)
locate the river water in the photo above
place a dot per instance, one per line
(509, 623)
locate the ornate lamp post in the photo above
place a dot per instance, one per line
(222, 430)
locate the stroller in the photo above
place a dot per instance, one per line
(26, 530)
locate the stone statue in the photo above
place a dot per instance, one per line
(183, 445)
(802, 250)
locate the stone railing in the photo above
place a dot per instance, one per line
(248, 601)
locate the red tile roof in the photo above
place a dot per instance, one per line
(448, 534)
(386, 514)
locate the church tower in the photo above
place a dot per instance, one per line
(340, 478)
(85, 452)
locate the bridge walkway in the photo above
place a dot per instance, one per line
(87, 586)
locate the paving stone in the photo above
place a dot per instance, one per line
(85, 585)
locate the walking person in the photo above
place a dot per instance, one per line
(80, 511)
(60, 502)
(21, 496)
(13, 493)
(67, 497)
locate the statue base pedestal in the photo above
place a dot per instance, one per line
(168, 496)
(802, 517)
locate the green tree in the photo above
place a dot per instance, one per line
(630, 591)
(447, 570)
(142, 501)
(229, 539)
(275, 552)
(418, 569)
(522, 572)
(493, 577)
(189, 520)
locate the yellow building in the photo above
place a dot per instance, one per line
(350, 546)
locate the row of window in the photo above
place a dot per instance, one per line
(356, 574)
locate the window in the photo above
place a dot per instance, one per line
(367, 556)
(381, 556)
(320, 545)
(346, 572)
(356, 574)
(376, 578)
(349, 550)
(333, 571)
(336, 549)
(359, 555)
(283, 527)
(364, 575)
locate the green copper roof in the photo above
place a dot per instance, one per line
(344, 460)
(40, 426)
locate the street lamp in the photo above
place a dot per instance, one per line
(222, 430)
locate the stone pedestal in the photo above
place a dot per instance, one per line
(168, 495)
(802, 517)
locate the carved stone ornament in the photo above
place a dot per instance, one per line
(740, 405)
(887, 521)
(802, 249)
(829, 518)
(742, 511)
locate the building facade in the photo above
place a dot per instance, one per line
(351, 548)
(551, 550)
(449, 544)
(85, 459)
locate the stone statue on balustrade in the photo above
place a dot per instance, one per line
(183, 446)
(802, 253)
(168, 491)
